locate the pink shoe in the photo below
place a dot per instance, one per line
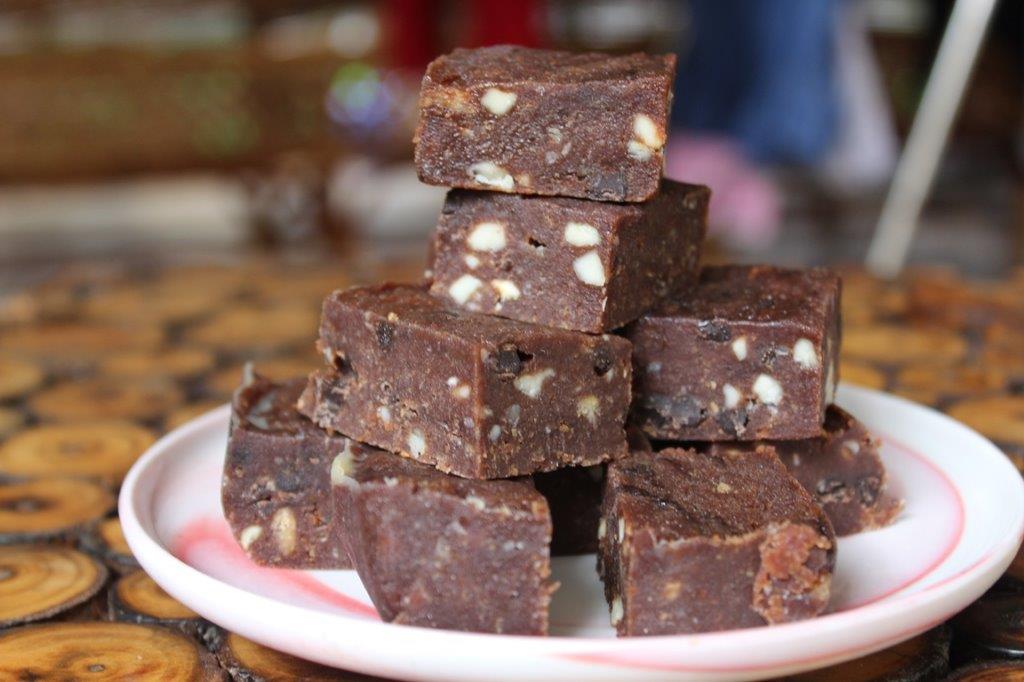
(745, 207)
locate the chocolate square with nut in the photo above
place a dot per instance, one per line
(751, 354)
(843, 471)
(713, 540)
(474, 395)
(276, 484)
(439, 551)
(525, 121)
(569, 263)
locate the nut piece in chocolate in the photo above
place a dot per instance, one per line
(568, 263)
(440, 551)
(474, 395)
(276, 485)
(844, 473)
(704, 541)
(751, 354)
(525, 121)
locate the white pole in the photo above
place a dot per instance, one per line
(915, 171)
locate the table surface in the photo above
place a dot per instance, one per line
(97, 362)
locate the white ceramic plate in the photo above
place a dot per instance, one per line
(962, 525)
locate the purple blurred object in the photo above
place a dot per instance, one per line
(371, 107)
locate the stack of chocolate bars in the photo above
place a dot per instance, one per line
(465, 430)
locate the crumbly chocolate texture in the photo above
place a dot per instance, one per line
(751, 354)
(570, 263)
(440, 551)
(276, 485)
(474, 395)
(843, 471)
(716, 540)
(525, 121)
(574, 497)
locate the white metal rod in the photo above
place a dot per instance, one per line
(929, 133)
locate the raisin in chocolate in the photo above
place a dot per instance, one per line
(507, 361)
(385, 334)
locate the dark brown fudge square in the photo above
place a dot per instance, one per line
(474, 395)
(568, 263)
(440, 551)
(277, 483)
(574, 497)
(513, 119)
(704, 541)
(843, 471)
(752, 354)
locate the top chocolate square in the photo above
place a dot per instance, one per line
(513, 119)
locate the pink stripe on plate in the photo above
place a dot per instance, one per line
(215, 534)
(956, 529)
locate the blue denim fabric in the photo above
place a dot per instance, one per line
(762, 72)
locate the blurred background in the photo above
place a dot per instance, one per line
(195, 130)
(182, 181)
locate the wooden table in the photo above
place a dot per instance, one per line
(98, 362)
